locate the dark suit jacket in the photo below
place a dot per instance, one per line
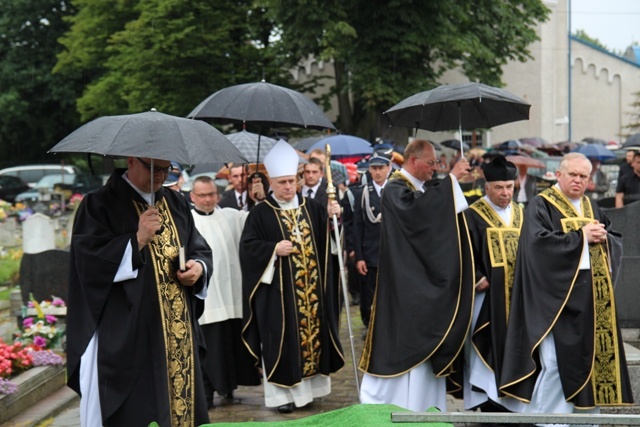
(229, 200)
(321, 194)
(366, 235)
(530, 188)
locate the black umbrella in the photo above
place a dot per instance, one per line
(263, 104)
(469, 105)
(153, 135)
(455, 144)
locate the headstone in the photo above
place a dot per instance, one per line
(38, 234)
(625, 221)
(8, 229)
(44, 274)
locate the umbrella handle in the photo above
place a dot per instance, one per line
(460, 130)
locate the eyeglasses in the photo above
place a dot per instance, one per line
(165, 170)
(202, 196)
(430, 163)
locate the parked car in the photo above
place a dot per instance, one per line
(10, 187)
(31, 174)
(67, 184)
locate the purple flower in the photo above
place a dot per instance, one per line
(28, 322)
(57, 302)
(39, 341)
(7, 387)
(46, 357)
(51, 319)
(30, 304)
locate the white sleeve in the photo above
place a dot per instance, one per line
(126, 271)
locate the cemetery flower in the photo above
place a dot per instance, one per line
(14, 358)
(41, 330)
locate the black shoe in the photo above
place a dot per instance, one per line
(286, 408)
(210, 404)
(355, 300)
(229, 396)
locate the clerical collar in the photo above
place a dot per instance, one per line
(415, 181)
(293, 204)
(144, 195)
(203, 213)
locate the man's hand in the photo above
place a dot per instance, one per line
(333, 208)
(460, 169)
(284, 248)
(361, 266)
(256, 191)
(595, 232)
(190, 276)
(148, 224)
(482, 285)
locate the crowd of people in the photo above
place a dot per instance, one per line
(505, 301)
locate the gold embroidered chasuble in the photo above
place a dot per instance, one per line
(606, 366)
(305, 267)
(175, 317)
(502, 242)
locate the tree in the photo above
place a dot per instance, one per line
(170, 54)
(384, 51)
(37, 108)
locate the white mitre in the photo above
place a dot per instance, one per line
(282, 160)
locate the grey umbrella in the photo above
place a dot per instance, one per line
(456, 106)
(152, 135)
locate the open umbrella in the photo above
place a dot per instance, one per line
(469, 105)
(154, 135)
(305, 143)
(455, 144)
(263, 104)
(595, 152)
(344, 145)
(522, 160)
(247, 143)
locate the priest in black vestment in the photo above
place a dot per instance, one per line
(494, 223)
(133, 340)
(564, 352)
(424, 294)
(290, 308)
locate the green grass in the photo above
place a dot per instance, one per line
(9, 269)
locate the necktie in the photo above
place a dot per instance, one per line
(240, 204)
(310, 193)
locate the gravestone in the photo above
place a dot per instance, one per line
(38, 234)
(44, 274)
(44, 270)
(8, 230)
(625, 221)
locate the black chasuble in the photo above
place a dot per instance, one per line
(424, 293)
(291, 323)
(149, 340)
(495, 245)
(551, 294)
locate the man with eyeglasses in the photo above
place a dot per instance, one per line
(564, 352)
(423, 298)
(228, 363)
(133, 343)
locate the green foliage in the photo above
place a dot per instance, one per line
(37, 108)
(581, 34)
(385, 51)
(168, 54)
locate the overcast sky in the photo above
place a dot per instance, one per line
(616, 23)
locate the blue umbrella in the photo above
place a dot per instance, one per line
(595, 152)
(344, 145)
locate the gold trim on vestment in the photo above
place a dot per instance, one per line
(175, 318)
(605, 369)
(502, 243)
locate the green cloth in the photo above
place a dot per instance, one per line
(351, 416)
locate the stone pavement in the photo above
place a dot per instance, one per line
(61, 409)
